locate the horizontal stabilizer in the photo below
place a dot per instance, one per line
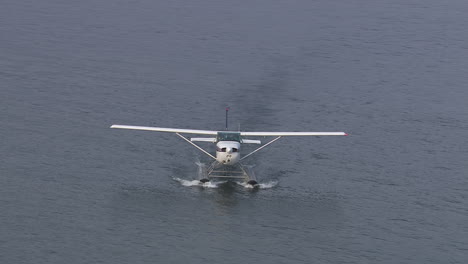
(212, 140)
(251, 141)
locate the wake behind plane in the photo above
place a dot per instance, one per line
(227, 161)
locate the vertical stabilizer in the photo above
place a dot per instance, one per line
(227, 110)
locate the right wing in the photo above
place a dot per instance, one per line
(278, 134)
(166, 129)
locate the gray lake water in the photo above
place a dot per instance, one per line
(393, 74)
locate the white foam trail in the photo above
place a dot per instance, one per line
(211, 184)
(190, 183)
(187, 182)
(266, 185)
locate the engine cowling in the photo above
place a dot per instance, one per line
(227, 152)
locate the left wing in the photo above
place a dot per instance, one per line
(166, 129)
(280, 134)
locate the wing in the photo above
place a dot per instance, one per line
(212, 132)
(277, 134)
(166, 129)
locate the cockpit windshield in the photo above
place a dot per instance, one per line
(228, 136)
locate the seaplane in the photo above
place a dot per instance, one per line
(227, 161)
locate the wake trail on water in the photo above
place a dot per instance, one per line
(190, 183)
(266, 185)
(216, 184)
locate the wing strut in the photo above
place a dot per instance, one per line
(195, 145)
(261, 147)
